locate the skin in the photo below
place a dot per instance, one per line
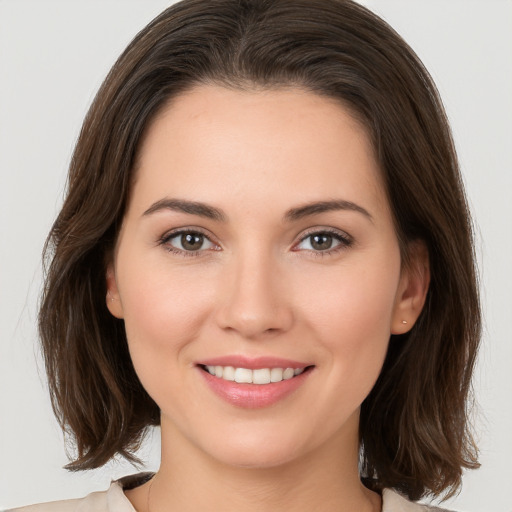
(258, 287)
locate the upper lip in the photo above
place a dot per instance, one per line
(252, 363)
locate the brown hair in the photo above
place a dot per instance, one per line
(414, 430)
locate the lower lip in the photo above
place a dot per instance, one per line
(253, 396)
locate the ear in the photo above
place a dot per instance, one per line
(412, 289)
(113, 299)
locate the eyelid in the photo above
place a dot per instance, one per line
(168, 235)
(343, 237)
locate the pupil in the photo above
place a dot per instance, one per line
(191, 242)
(321, 242)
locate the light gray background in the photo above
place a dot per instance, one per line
(53, 57)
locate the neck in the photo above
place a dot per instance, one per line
(189, 480)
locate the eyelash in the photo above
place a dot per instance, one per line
(344, 240)
(164, 241)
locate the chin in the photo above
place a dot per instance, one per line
(257, 458)
(258, 451)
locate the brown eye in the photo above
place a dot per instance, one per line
(191, 241)
(321, 242)
(188, 241)
(324, 241)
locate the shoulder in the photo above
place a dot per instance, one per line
(392, 501)
(96, 501)
(111, 500)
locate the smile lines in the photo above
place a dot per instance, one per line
(258, 376)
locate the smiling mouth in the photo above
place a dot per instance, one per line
(257, 376)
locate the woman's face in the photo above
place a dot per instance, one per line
(258, 238)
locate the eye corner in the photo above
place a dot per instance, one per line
(178, 248)
(343, 241)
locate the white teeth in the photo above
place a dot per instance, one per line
(228, 373)
(243, 375)
(276, 375)
(288, 373)
(259, 376)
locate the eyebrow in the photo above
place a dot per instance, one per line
(324, 206)
(294, 214)
(192, 207)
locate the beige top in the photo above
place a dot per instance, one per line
(114, 500)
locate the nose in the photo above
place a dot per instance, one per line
(253, 301)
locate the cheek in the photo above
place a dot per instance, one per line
(351, 317)
(163, 311)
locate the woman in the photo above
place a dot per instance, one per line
(265, 249)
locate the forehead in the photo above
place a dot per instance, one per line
(288, 142)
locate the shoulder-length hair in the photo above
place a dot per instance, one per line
(414, 428)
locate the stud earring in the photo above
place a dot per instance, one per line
(404, 321)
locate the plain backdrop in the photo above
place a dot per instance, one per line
(53, 57)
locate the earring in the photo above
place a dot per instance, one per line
(404, 321)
